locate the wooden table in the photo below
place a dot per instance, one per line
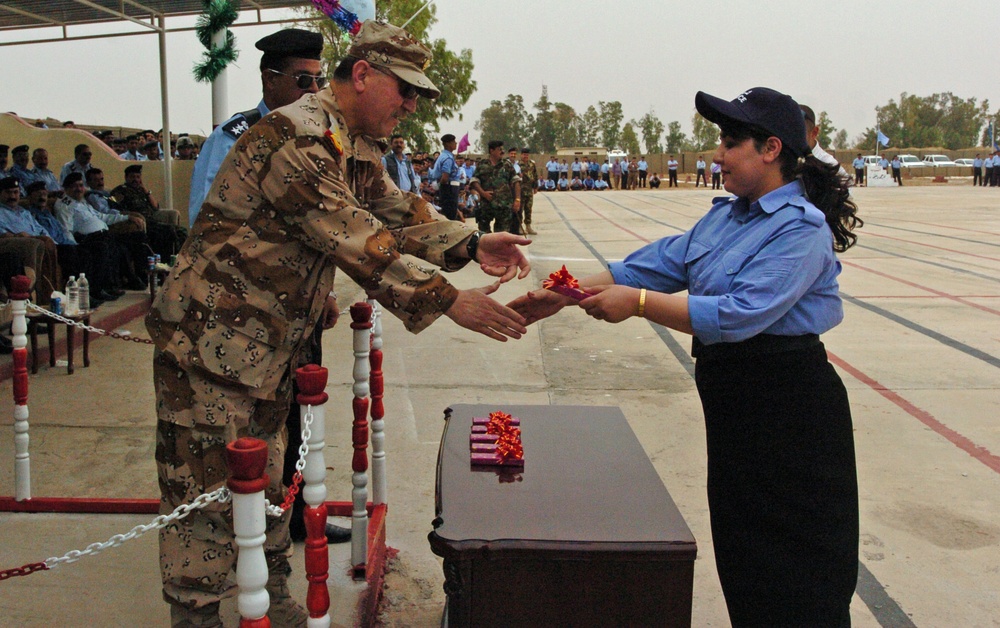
(33, 322)
(586, 534)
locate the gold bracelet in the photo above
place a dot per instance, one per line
(642, 303)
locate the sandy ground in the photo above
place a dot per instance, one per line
(919, 352)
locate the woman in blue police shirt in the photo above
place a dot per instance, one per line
(761, 276)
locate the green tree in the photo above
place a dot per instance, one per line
(989, 132)
(566, 125)
(939, 120)
(651, 129)
(544, 135)
(630, 141)
(590, 127)
(704, 134)
(611, 117)
(826, 129)
(676, 139)
(450, 71)
(507, 121)
(840, 140)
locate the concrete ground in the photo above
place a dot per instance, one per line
(919, 352)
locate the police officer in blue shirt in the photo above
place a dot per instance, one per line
(859, 170)
(977, 170)
(761, 274)
(289, 69)
(449, 177)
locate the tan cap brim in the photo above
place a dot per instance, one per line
(418, 79)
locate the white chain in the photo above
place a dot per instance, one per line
(221, 495)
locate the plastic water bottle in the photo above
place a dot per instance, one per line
(83, 293)
(72, 305)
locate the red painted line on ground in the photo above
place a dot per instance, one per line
(932, 224)
(906, 282)
(923, 296)
(931, 246)
(981, 454)
(628, 231)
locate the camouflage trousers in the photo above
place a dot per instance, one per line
(197, 416)
(495, 218)
(527, 201)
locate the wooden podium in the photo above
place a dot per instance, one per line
(585, 534)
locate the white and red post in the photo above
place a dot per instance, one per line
(312, 380)
(377, 385)
(247, 460)
(361, 314)
(20, 293)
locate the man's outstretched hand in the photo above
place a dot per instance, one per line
(499, 256)
(474, 310)
(539, 304)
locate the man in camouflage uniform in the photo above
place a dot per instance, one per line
(529, 179)
(499, 188)
(300, 194)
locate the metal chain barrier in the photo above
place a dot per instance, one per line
(221, 495)
(81, 325)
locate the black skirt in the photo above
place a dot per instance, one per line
(782, 481)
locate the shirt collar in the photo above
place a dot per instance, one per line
(789, 194)
(263, 108)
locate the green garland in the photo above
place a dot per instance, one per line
(218, 16)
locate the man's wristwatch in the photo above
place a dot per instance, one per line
(472, 246)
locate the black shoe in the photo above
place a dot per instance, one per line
(6, 346)
(334, 534)
(116, 291)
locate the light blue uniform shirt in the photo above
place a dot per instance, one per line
(213, 151)
(74, 166)
(52, 227)
(23, 175)
(408, 179)
(977, 163)
(859, 164)
(642, 166)
(19, 220)
(446, 164)
(48, 177)
(766, 267)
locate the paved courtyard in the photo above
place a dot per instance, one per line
(919, 351)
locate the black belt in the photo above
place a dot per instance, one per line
(761, 344)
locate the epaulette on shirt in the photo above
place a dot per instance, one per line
(241, 123)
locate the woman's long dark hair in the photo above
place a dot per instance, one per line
(825, 187)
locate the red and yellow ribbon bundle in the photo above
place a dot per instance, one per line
(565, 284)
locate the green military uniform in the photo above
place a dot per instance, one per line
(529, 179)
(496, 215)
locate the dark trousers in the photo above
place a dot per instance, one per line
(672, 183)
(987, 177)
(782, 486)
(126, 253)
(607, 177)
(716, 180)
(977, 176)
(448, 200)
(701, 177)
(554, 177)
(642, 178)
(897, 176)
(859, 176)
(995, 181)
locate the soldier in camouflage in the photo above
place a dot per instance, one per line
(529, 179)
(499, 188)
(301, 194)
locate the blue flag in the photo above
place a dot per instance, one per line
(882, 139)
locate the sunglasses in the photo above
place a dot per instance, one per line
(407, 91)
(304, 81)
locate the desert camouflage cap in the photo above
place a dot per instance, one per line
(391, 48)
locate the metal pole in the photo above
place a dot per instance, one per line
(427, 4)
(168, 179)
(220, 86)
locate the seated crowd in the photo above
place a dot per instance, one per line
(56, 226)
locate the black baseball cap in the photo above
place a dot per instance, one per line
(761, 107)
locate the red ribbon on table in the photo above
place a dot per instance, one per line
(499, 423)
(509, 445)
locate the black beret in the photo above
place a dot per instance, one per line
(23, 148)
(150, 144)
(526, 150)
(9, 183)
(71, 178)
(448, 137)
(133, 169)
(35, 186)
(292, 42)
(3, 149)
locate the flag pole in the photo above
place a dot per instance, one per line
(876, 131)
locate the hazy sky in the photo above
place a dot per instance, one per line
(843, 56)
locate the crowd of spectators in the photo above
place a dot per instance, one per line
(53, 226)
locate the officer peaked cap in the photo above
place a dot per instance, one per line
(292, 42)
(3, 149)
(23, 148)
(9, 183)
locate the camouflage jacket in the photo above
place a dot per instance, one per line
(131, 200)
(295, 199)
(499, 178)
(529, 175)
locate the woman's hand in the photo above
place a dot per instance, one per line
(611, 303)
(539, 304)
(499, 256)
